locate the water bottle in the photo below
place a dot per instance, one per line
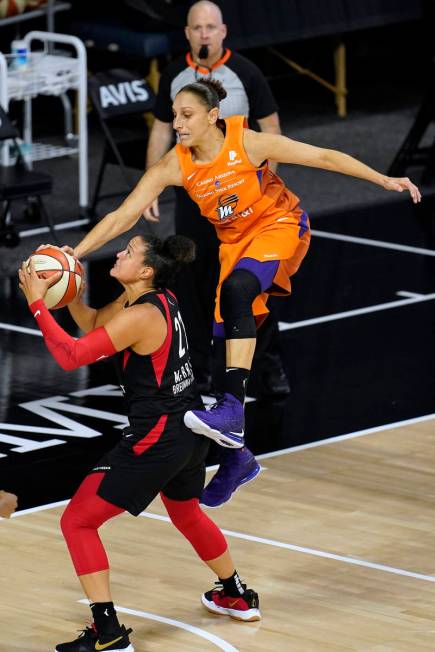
(20, 56)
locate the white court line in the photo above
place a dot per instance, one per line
(351, 435)
(219, 642)
(278, 453)
(405, 293)
(57, 227)
(19, 329)
(373, 243)
(286, 326)
(310, 551)
(289, 546)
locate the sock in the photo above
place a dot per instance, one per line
(105, 618)
(236, 380)
(233, 586)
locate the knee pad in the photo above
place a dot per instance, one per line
(237, 294)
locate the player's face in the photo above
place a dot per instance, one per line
(192, 121)
(129, 266)
(205, 27)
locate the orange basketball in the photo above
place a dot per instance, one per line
(49, 262)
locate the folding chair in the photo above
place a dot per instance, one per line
(120, 99)
(19, 182)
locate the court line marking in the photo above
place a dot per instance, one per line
(192, 629)
(373, 243)
(286, 326)
(351, 435)
(310, 551)
(288, 546)
(277, 544)
(405, 293)
(57, 227)
(278, 453)
(411, 298)
(19, 329)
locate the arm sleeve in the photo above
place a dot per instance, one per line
(66, 350)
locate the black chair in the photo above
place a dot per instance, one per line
(17, 181)
(120, 99)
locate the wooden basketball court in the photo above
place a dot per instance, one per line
(337, 537)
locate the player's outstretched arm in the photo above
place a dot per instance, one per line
(165, 173)
(260, 146)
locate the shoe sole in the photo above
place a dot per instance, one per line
(248, 616)
(200, 428)
(248, 478)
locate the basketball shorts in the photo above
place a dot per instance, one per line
(285, 243)
(159, 455)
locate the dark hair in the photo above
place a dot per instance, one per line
(167, 256)
(209, 91)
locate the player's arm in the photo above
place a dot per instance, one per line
(137, 325)
(159, 142)
(260, 146)
(270, 125)
(88, 318)
(165, 173)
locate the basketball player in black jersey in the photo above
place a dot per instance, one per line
(157, 453)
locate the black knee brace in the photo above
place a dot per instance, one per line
(237, 294)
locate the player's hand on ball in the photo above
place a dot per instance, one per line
(69, 250)
(34, 287)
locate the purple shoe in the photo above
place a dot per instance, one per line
(236, 469)
(224, 422)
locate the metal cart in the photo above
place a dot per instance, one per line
(48, 72)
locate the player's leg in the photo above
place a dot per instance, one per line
(225, 421)
(80, 521)
(180, 497)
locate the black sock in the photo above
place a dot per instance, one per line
(236, 380)
(105, 618)
(233, 585)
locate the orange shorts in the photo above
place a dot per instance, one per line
(286, 242)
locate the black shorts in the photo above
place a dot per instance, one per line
(173, 464)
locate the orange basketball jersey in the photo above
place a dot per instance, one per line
(233, 194)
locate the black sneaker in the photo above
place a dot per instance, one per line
(90, 641)
(244, 607)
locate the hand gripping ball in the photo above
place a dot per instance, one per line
(49, 262)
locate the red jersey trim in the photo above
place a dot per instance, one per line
(127, 354)
(152, 437)
(206, 71)
(159, 358)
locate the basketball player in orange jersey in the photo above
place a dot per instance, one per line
(156, 453)
(264, 235)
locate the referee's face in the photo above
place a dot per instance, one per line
(205, 27)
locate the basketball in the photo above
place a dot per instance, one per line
(49, 262)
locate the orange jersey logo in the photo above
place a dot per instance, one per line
(231, 192)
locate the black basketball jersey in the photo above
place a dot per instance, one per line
(161, 383)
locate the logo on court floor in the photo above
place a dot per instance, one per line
(227, 205)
